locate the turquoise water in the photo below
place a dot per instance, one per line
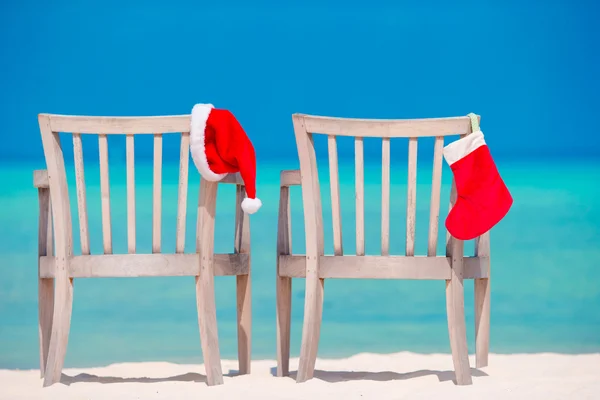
(545, 266)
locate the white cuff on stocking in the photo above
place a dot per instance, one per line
(463, 147)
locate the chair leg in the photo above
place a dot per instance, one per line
(207, 320)
(482, 303)
(244, 319)
(283, 285)
(311, 330)
(455, 306)
(45, 285)
(61, 324)
(482, 321)
(284, 312)
(244, 287)
(45, 310)
(205, 283)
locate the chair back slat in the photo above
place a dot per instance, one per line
(130, 161)
(436, 186)
(360, 195)
(157, 194)
(411, 197)
(385, 196)
(105, 193)
(336, 215)
(182, 191)
(81, 197)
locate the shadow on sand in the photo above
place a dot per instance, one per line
(343, 376)
(189, 377)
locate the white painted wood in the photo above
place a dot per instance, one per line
(105, 193)
(411, 197)
(243, 285)
(130, 161)
(455, 307)
(118, 125)
(313, 224)
(84, 234)
(234, 179)
(284, 284)
(290, 178)
(205, 286)
(385, 197)
(386, 128)
(482, 303)
(455, 304)
(54, 328)
(360, 195)
(453, 268)
(381, 267)
(436, 186)
(40, 179)
(184, 159)
(63, 292)
(45, 285)
(336, 214)
(145, 265)
(157, 195)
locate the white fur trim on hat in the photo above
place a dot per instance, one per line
(251, 206)
(463, 147)
(200, 114)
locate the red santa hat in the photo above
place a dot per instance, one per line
(220, 146)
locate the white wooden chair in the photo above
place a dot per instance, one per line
(316, 267)
(56, 272)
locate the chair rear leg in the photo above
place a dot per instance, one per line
(311, 330)
(244, 287)
(61, 324)
(244, 319)
(283, 285)
(45, 285)
(455, 306)
(482, 321)
(482, 303)
(284, 312)
(205, 284)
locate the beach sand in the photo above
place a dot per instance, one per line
(363, 376)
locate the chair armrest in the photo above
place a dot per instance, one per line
(284, 220)
(40, 179)
(290, 178)
(235, 179)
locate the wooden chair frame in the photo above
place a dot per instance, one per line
(58, 266)
(453, 268)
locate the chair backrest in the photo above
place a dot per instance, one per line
(306, 125)
(52, 125)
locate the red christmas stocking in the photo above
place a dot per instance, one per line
(482, 197)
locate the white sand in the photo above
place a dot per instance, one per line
(364, 376)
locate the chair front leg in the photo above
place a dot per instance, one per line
(244, 286)
(45, 285)
(482, 303)
(284, 284)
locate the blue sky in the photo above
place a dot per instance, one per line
(529, 68)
